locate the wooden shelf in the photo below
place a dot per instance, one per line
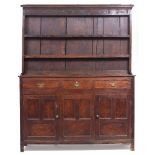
(74, 56)
(72, 73)
(77, 36)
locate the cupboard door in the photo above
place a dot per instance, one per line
(112, 112)
(77, 117)
(40, 114)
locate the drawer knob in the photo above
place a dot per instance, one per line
(76, 84)
(40, 85)
(113, 84)
(97, 116)
(57, 116)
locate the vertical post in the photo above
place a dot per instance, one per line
(130, 41)
(23, 31)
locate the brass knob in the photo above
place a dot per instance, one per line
(97, 116)
(113, 84)
(57, 116)
(40, 85)
(76, 84)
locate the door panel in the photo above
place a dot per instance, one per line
(40, 117)
(104, 108)
(112, 128)
(32, 108)
(74, 128)
(77, 117)
(42, 129)
(121, 108)
(49, 109)
(112, 116)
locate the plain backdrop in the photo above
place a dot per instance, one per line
(143, 66)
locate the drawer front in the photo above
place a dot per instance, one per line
(77, 84)
(39, 86)
(111, 84)
(40, 83)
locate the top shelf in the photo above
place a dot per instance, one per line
(79, 5)
(77, 36)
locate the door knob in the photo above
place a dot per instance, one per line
(40, 85)
(57, 116)
(113, 84)
(76, 84)
(97, 116)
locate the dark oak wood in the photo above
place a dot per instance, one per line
(76, 36)
(76, 56)
(76, 85)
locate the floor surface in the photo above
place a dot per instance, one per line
(62, 147)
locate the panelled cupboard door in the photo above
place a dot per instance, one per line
(113, 120)
(40, 117)
(77, 118)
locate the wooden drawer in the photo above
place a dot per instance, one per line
(39, 83)
(119, 84)
(77, 84)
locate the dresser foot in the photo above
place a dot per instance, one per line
(22, 148)
(132, 147)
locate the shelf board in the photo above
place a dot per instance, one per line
(75, 56)
(71, 73)
(76, 37)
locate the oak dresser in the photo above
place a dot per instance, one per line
(76, 85)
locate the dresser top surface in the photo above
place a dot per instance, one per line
(79, 6)
(76, 74)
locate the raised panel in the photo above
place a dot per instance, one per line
(42, 129)
(53, 26)
(77, 128)
(68, 108)
(32, 108)
(108, 129)
(105, 108)
(79, 26)
(48, 108)
(121, 108)
(85, 108)
(32, 25)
